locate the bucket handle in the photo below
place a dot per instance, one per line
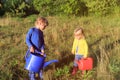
(27, 54)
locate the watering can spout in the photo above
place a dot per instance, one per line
(49, 62)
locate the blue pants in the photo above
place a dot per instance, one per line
(32, 75)
(77, 57)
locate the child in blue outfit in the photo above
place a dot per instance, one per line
(35, 39)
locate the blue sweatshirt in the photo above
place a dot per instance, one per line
(35, 38)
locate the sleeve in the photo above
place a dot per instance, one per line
(85, 49)
(43, 43)
(73, 47)
(43, 47)
(28, 38)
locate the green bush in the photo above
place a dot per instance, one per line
(61, 7)
(59, 72)
(74, 7)
(67, 7)
(101, 7)
(14, 7)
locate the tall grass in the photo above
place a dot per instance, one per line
(102, 35)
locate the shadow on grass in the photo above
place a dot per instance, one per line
(106, 47)
(65, 59)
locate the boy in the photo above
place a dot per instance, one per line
(35, 39)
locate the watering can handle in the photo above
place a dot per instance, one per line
(36, 51)
(27, 53)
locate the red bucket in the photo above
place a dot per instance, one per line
(85, 64)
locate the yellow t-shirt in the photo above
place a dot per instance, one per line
(80, 47)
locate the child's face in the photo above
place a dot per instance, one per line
(41, 25)
(78, 36)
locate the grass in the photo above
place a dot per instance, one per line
(102, 35)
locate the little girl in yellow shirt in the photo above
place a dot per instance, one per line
(79, 48)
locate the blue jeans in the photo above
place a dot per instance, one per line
(77, 57)
(32, 75)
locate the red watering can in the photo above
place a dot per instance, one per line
(85, 64)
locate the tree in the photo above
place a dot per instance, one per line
(101, 7)
(14, 7)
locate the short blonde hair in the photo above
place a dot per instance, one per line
(42, 20)
(79, 31)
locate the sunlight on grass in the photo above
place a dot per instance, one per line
(102, 35)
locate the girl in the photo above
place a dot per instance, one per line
(79, 48)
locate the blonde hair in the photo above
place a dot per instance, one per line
(42, 20)
(79, 31)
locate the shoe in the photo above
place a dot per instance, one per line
(75, 69)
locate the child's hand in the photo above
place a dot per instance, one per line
(85, 57)
(32, 49)
(42, 52)
(72, 52)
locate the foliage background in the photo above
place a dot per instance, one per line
(60, 7)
